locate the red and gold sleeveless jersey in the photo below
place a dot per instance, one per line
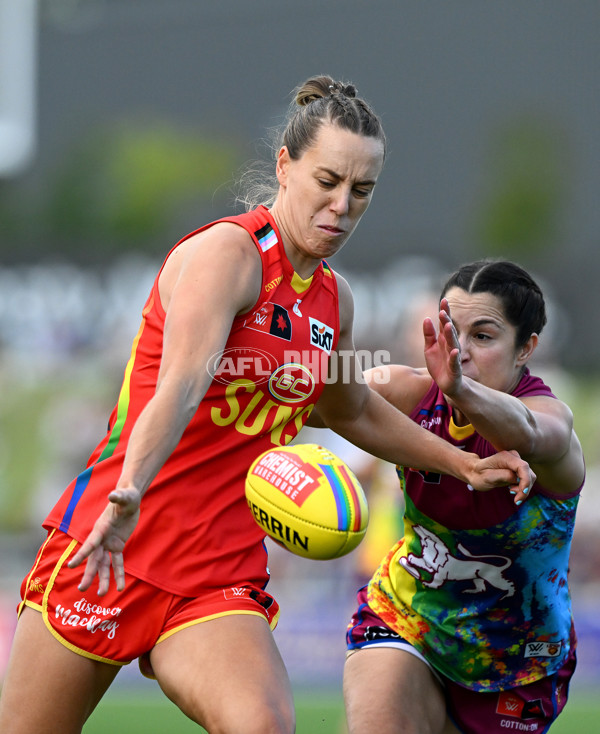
(195, 530)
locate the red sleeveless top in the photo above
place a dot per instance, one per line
(195, 530)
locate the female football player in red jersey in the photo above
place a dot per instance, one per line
(217, 375)
(467, 626)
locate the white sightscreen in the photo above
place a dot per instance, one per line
(18, 41)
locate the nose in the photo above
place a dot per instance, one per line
(464, 348)
(340, 202)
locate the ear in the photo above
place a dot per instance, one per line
(525, 352)
(283, 162)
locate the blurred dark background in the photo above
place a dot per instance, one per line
(145, 110)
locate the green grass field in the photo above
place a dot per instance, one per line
(154, 714)
(318, 713)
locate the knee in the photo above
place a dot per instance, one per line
(255, 718)
(280, 719)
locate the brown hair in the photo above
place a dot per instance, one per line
(322, 100)
(319, 100)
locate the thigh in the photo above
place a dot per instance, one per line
(390, 691)
(48, 688)
(115, 628)
(227, 675)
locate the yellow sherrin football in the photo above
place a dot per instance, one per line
(308, 500)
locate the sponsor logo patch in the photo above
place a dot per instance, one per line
(543, 649)
(376, 632)
(511, 705)
(321, 335)
(241, 592)
(94, 617)
(289, 474)
(271, 318)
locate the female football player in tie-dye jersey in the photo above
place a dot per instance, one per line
(466, 626)
(240, 328)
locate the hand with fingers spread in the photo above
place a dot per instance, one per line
(442, 351)
(103, 548)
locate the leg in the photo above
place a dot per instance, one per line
(48, 688)
(227, 675)
(390, 691)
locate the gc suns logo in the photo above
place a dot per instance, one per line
(291, 383)
(321, 335)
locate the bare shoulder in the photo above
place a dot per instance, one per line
(223, 254)
(346, 301)
(401, 385)
(222, 240)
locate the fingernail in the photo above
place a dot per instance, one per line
(526, 490)
(513, 491)
(519, 502)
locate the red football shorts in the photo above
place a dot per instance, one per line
(123, 625)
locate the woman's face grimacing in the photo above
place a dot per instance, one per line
(324, 193)
(488, 351)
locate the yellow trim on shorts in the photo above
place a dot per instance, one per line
(25, 603)
(60, 638)
(194, 622)
(31, 605)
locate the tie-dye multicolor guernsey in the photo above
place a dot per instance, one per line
(477, 584)
(195, 530)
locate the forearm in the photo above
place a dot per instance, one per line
(390, 435)
(154, 437)
(503, 420)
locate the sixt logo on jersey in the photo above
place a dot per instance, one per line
(271, 318)
(321, 335)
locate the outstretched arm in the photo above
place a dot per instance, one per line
(540, 428)
(358, 413)
(215, 276)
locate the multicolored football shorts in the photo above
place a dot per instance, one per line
(529, 708)
(123, 625)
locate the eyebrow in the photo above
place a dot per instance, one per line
(486, 322)
(333, 174)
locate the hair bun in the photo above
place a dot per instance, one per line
(320, 87)
(348, 90)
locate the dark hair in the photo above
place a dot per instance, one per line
(521, 297)
(318, 100)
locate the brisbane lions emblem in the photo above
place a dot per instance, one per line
(438, 562)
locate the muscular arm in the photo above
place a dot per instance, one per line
(540, 428)
(218, 277)
(204, 284)
(368, 420)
